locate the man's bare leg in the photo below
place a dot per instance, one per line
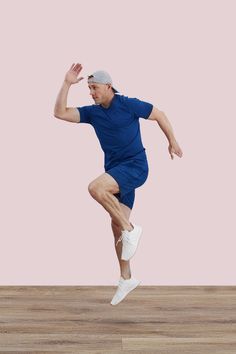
(102, 189)
(125, 271)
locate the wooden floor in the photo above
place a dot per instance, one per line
(151, 319)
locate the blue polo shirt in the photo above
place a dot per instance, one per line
(117, 127)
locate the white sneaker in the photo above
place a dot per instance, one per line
(130, 240)
(125, 286)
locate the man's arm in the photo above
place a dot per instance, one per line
(70, 114)
(162, 120)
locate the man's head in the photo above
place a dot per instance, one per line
(100, 85)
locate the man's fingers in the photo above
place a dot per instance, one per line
(75, 67)
(179, 153)
(79, 68)
(173, 151)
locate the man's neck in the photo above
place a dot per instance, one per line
(107, 103)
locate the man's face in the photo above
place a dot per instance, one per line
(98, 92)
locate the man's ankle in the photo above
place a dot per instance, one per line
(126, 276)
(130, 228)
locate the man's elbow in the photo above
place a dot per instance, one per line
(57, 114)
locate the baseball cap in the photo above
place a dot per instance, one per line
(101, 77)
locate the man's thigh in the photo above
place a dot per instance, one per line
(105, 182)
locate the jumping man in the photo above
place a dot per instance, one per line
(115, 119)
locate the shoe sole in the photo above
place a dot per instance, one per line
(139, 235)
(126, 294)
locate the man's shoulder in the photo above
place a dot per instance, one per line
(126, 100)
(137, 106)
(124, 97)
(123, 101)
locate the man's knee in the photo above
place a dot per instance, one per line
(95, 190)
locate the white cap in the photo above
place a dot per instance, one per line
(101, 77)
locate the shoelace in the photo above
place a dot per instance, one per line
(120, 238)
(124, 236)
(120, 285)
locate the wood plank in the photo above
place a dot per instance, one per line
(162, 319)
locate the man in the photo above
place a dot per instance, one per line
(115, 119)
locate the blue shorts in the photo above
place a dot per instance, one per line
(130, 174)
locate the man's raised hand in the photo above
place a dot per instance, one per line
(72, 75)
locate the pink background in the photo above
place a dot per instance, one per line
(178, 55)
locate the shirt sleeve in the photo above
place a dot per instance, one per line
(85, 117)
(140, 108)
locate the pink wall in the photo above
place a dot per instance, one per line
(178, 55)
